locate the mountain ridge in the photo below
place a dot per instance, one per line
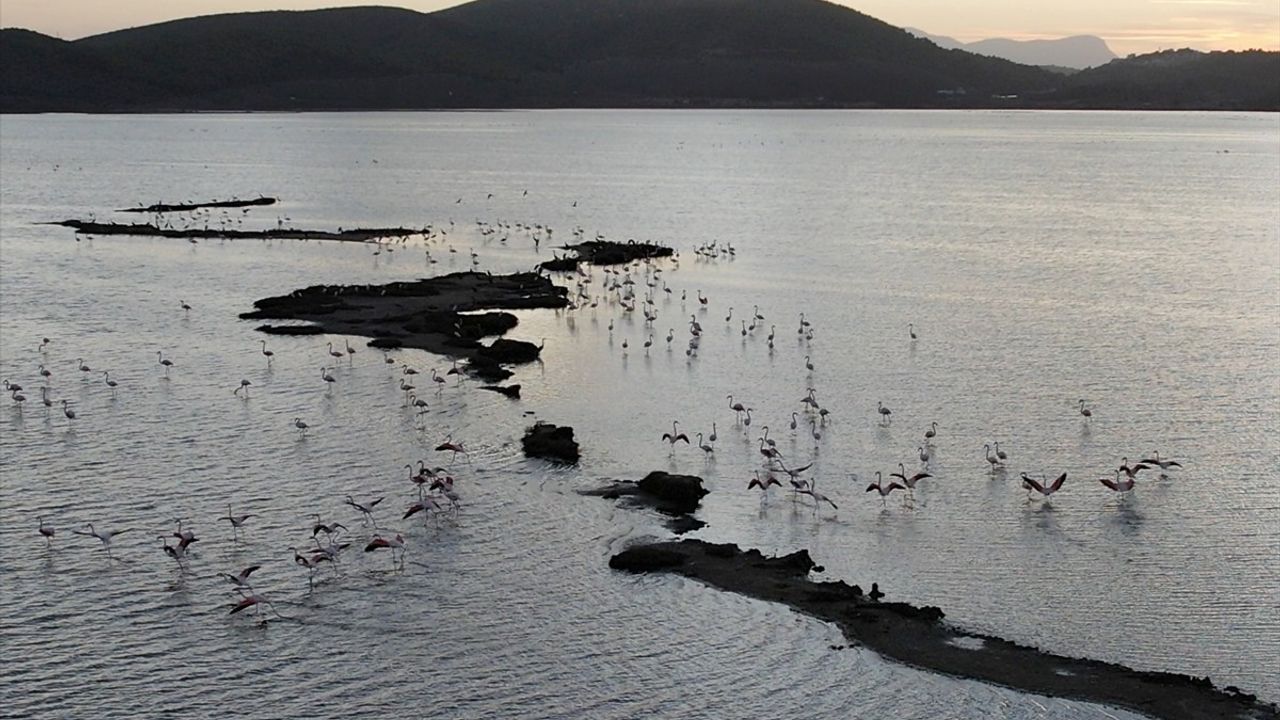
(535, 53)
(1077, 52)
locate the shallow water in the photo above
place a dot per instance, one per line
(1129, 259)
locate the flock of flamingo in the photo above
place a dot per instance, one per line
(434, 497)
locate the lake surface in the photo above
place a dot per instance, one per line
(1129, 259)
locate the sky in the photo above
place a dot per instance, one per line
(1128, 26)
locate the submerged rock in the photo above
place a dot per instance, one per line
(511, 391)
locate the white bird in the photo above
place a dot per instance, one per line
(105, 536)
(237, 521)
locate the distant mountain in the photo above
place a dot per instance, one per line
(1077, 52)
(526, 53)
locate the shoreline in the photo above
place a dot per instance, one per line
(918, 636)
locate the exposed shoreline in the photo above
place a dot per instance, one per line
(917, 636)
(148, 230)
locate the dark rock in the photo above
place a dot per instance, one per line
(290, 329)
(682, 524)
(646, 558)
(487, 370)
(550, 442)
(677, 493)
(510, 351)
(721, 550)
(511, 391)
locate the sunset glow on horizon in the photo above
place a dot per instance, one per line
(1128, 26)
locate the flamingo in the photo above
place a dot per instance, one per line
(427, 503)
(763, 484)
(1118, 485)
(244, 385)
(808, 365)
(324, 375)
(44, 396)
(771, 443)
(794, 420)
(350, 350)
(241, 579)
(438, 380)
(1162, 464)
(885, 413)
(44, 345)
(1086, 412)
(736, 407)
(932, 432)
(675, 435)
(705, 447)
(729, 318)
(449, 444)
(177, 552)
(310, 562)
(648, 344)
(992, 459)
(251, 600)
(71, 414)
(105, 536)
(167, 363)
(329, 530)
(702, 299)
(818, 498)
(47, 532)
(237, 521)
(83, 367)
(106, 379)
(418, 403)
(712, 436)
(883, 489)
(18, 398)
(44, 373)
(365, 509)
(333, 352)
(768, 452)
(1000, 453)
(392, 544)
(1044, 488)
(12, 387)
(924, 455)
(909, 482)
(267, 353)
(183, 304)
(911, 330)
(301, 426)
(1131, 471)
(744, 328)
(747, 420)
(804, 324)
(671, 334)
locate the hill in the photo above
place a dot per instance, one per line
(526, 53)
(1076, 52)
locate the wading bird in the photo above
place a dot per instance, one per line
(675, 435)
(1045, 489)
(392, 544)
(883, 489)
(366, 509)
(105, 536)
(885, 413)
(1118, 485)
(237, 521)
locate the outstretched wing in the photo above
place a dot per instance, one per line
(1057, 484)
